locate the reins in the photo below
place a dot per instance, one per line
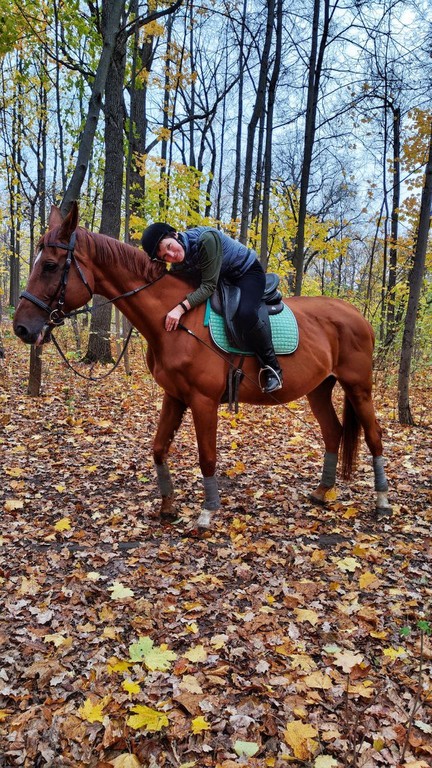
(93, 378)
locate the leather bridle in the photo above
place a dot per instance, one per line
(56, 315)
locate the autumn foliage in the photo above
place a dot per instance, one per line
(289, 635)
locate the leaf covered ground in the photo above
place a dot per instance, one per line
(290, 635)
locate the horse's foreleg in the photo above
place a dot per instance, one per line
(320, 401)
(204, 412)
(169, 422)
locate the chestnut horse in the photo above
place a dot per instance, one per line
(336, 344)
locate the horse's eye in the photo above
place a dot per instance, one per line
(49, 266)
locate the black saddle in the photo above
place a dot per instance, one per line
(226, 298)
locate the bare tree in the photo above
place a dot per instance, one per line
(415, 283)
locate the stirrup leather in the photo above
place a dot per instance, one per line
(275, 373)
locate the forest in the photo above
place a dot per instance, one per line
(289, 633)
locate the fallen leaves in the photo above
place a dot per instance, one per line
(279, 639)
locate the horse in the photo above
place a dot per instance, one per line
(336, 345)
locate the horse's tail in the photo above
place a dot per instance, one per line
(350, 438)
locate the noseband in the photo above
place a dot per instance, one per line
(56, 315)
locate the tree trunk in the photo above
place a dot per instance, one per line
(256, 114)
(111, 14)
(99, 346)
(269, 137)
(315, 68)
(394, 233)
(238, 150)
(415, 283)
(35, 372)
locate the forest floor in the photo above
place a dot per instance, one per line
(289, 634)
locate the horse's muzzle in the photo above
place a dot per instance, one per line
(28, 336)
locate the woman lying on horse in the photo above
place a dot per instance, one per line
(213, 254)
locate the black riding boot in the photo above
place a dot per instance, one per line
(260, 340)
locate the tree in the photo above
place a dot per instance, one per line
(415, 283)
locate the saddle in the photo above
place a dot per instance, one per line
(226, 298)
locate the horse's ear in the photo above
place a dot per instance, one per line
(55, 217)
(70, 223)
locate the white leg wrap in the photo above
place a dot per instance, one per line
(382, 501)
(204, 519)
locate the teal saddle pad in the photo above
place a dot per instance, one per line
(284, 328)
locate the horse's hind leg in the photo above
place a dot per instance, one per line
(361, 401)
(169, 422)
(320, 401)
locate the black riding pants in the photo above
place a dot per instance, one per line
(252, 285)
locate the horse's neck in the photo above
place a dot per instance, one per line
(147, 308)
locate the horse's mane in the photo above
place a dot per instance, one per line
(111, 251)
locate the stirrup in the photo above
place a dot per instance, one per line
(270, 373)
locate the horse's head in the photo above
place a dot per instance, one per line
(57, 284)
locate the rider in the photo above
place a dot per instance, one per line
(214, 254)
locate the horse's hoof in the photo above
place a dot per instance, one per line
(316, 500)
(382, 512)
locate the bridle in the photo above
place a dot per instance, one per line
(57, 316)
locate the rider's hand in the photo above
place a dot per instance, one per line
(173, 318)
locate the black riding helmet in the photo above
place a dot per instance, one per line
(152, 236)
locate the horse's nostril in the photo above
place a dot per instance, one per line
(21, 331)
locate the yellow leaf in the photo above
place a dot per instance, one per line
(199, 724)
(378, 744)
(130, 687)
(302, 661)
(110, 632)
(192, 628)
(58, 639)
(218, 641)
(92, 712)
(63, 525)
(365, 689)
(246, 748)
(15, 471)
(325, 761)
(29, 586)
(12, 504)
(4, 714)
(147, 718)
(348, 564)
(394, 653)
(331, 495)
(60, 488)
(299, 736)
(115, 665)
(367, 580)
(125, 761)
(190, 684)
(119, 592)
(90, 468)
(196, 654)
(318, 680)
(350, 512)
(347, 660)
(93, 576)
(304, 614)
